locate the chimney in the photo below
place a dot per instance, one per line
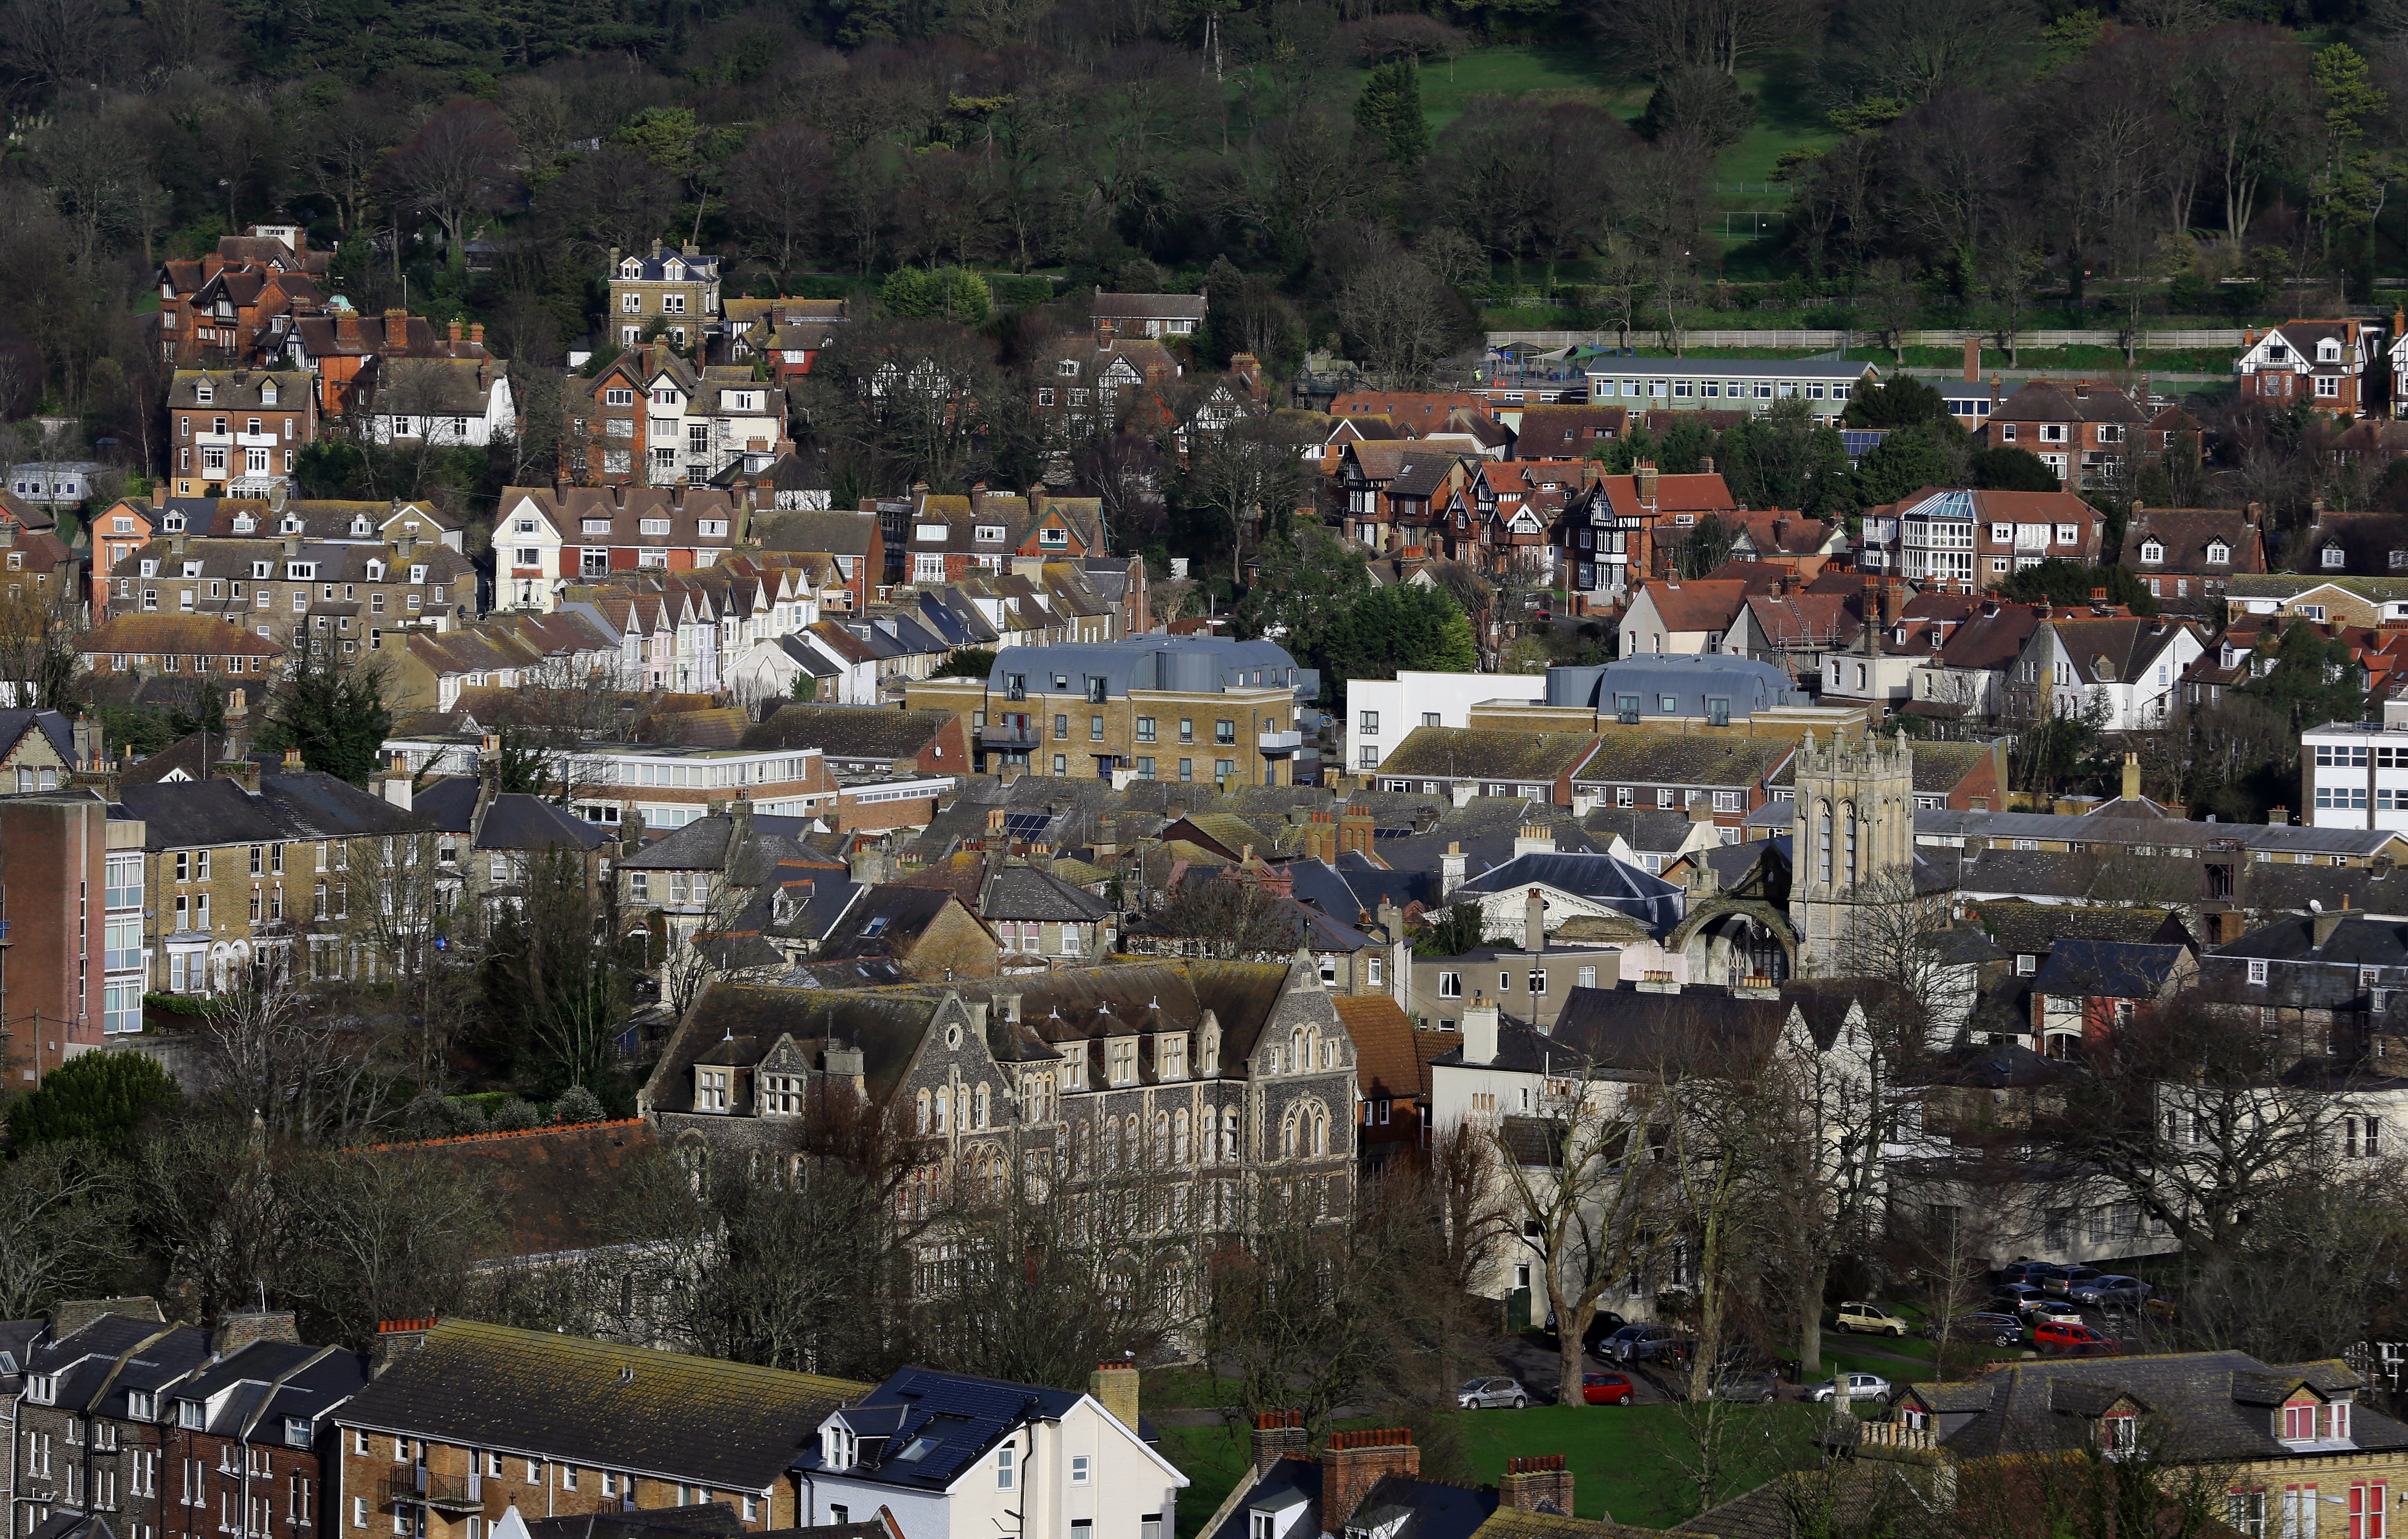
(1114, 1387)
(1534, 839)
(451, 332)
(1355, 1462)
(347, 331)
(1643, 475)
(397, 781)
(2132, 777)
(1354, 829)
(477, 335)
(396, 1339)
(292, 760)
(1103, 333)
(1755, 987)
(396, 331)
(1994, 391)
(69, 1316)
(236, 1331)
(842, 1063)
(1450, 870)
(1893, 599)
(2321, 927)
(2227, 925)
(2278, 818)
(1279, 1434)
(1480, 1030)
(1973, 363)
(1533, 922)
(1705, 464)
(1537, 1483)
(1321, 836)
(1658, 983)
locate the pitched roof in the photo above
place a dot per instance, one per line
(1392, 1056)
(1148, 307)
(1698, 605)
(178, 635)
(2055, 401)
(716, 1423)
(1469, 753)
(555, 1183)
(2186, 533)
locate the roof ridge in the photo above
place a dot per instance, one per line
(508, 1132)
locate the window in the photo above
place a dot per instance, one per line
(2335, 557)
(2257, 971)
(2366, 1510)
(1081, 1467)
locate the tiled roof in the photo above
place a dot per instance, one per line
(182, 636)
(1467, 753)
(554, 1183)
(723, 1424)
(2186, 533)
(1698, 605)
(1392, 1054)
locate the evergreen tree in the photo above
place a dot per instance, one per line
(99, 1096)
(2007, 468)
(1390, 109)
(334, 715)
(909, 294)
(1686, 444)
(2070, 583)
(1904, 462)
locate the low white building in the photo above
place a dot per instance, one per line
(2356, 775)
(951, 1457)
(1381, 712)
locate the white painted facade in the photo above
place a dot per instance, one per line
(1382, 713)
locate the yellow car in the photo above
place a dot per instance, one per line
(1871, 1320)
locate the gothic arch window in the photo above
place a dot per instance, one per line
(1320, 1132)
(1229, 1136)
(980, 1105)
(1179, 1144)
(1300, 1051)
(1848, 818)
(944, 1111)
(1287, 1137)
(924, 1111)
(1823, 842)
(1129, 1134)
(1161, 1150)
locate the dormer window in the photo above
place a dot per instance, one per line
(291, 525)
(2277, 354)
(204, 393)
(41, 1389)
(836, 1447)
(300, 571)
(296, 1431)
(2218, 553)
(2119, 1434)
(360, 525)
(1067, 368)
(631, 268)
(990, 534)
(710, 1089)
(418, 574)
(189, 1413)
(244, 524)
(2335, 557)
(268, 393)
(141, 1405)
(2152, 553)
(173, 523)
(674, 272)
(2329, 351)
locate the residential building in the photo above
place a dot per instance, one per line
(857, 741)
(547, 536)
(2090, 435)
(1727, 384)
(196, 644)
(2127, 668)
(340, 349)
(467, 1420)
(52, 482)
(222, 310)
(2088, 988)
(678, 288)
(451, 403)
(1608, 540)
(330, 522)
(2282, 1439)
(335, 598)
(1183, 707)
(75, 969)
(249, 870)
(1392, 1057)
(116, 533)
(2335, 366)
(1725, 776)
(1414, 413)
(651, 418)
(92, 1429)
(1567, 432)
(949, 1456)
(1964, 541)
(786, 334)
(429, 670)
(1088, 384)
(1466, 761)
(1149, 315)
(485, 841)
(1234, 1082)
(249, 1441)
(2194, 552)
(237, 431)
(1368, 1481)
(2368, 602)
(1673, 691)
(1381, 712)
(2354, 774)
(1670, 617)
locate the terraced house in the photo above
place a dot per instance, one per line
(468, 1421)
(545, 536)
(1180, 1100)
(336, 599)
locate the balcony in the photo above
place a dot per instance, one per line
(1278, 745)
(444, 1492)
(1019, 735)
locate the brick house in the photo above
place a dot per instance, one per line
(93, 1421)
(337, 598)
(78, 975)
(1963, 540)
(679, 289)
(1617, 531)
(237, 431)
(468, 1421)
(252, 1435)
(2193, 553)
(787, 334)
(2090, 435)
(198, 645)
(1149, 315)
(1234, 1080)
(338, 348)
(855, 541)
(1391, 1076)
(1087, 384)
(248, 294)
(2335, 366)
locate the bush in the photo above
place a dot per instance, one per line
(101, 1096)
(516, 1116)
(578, 1105)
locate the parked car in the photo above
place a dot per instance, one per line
(1606, 1389)
(2111, 1290)
(1997, 1328)
(2070, 1338)
(2031, 1304)
(2034, 1273)
(1871, 1320)
(1859, 1386)
(1602, 1324)
(1750, 1386)
(1625, 1345)
(1489, 1394)
(2065, 1282)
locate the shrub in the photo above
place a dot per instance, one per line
(99, 1096)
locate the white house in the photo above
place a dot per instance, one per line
(2128, 666)
(1682, 619)
(457, 403)
(526, 555)
(951, 1457)
(1379, 712)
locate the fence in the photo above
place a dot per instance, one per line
(1825, 341)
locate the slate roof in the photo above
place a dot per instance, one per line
(848, 732)
(707, 1517)
(1026, 892)
(886, 921)
(2115, 648)
(516, 820)
(2049, 401)
(301, 805)
(2108, 969)
(2035, 929)
(2224, 1405)
(952, 1419)
(596, 1402)
(1148, 307)
(1599, 879)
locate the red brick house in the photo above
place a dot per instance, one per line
(242, 298)
(250, 1440)
(2192, 552)
(1392, 1074)
(151, 645)
(1609, 536)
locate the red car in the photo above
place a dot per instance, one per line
(1605, 1388)
(2070, 1339)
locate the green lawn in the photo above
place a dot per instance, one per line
(1624, 1461)
(1553, 74)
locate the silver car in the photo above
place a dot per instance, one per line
(1858, 1385)
(1488, 1395)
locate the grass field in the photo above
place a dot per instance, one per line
(1625, 1460)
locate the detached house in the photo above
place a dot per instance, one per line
(1150, 315)
(2129, 667)
(2089, 434)
(2193, 553)
(678, 288)
(2332, 366)
(237, 431)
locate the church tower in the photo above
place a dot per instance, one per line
(1852, 839)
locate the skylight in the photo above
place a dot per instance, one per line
(916, 1450)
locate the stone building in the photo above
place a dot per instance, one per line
(1215, 1097)
(1856, 838)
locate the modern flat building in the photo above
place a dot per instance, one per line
(1379, 712)
(1148, 708)
(1727, 384)
(2354, 774)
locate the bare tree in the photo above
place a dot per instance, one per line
(1252, 468)
(456, 168)
(1661, 36)
(65, 1225)
(1404, 318)
(776, 183)
(302, 1069)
